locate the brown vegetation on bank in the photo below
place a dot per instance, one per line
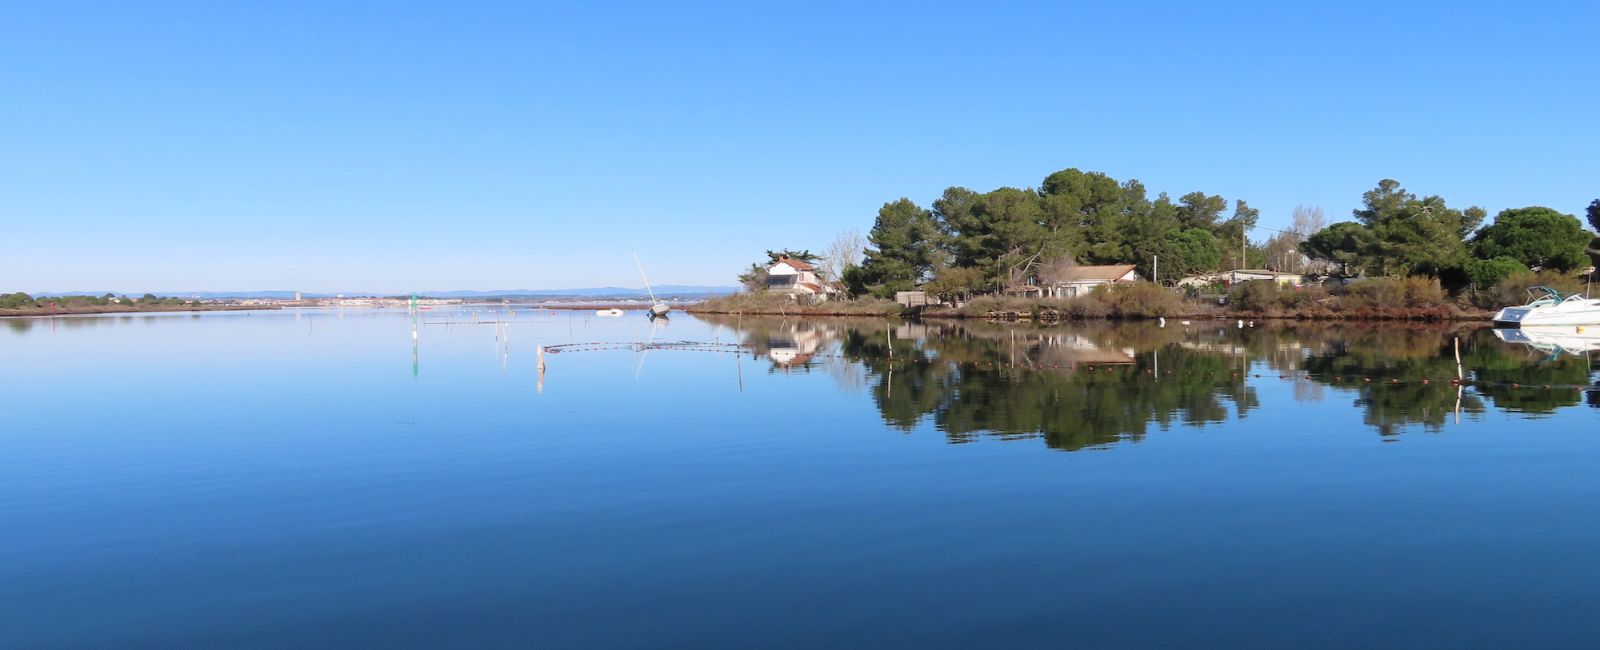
(1392, 299)
(766, 303)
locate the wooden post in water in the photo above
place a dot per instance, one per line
(541, 358)
(888, 337)
(1459, 374)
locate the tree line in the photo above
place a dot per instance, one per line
(970, 242)
(1397, 233)
(20, 300)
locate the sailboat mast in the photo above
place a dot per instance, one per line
(647, 287)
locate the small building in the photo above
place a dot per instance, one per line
(911, 298)
(1281, 277)
(1079, 280)
(1201, 281)
(1023, 291)
(798, 279)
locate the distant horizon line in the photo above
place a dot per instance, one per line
(575, 291)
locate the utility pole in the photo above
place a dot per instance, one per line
(1244, 259)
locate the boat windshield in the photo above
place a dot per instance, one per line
(1542, 294)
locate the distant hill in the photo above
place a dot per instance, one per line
(207, 295)
(664, 291)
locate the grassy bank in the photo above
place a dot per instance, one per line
(763, 303)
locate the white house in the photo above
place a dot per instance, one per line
(1243, 275)
(798, 279)
(1079, 280)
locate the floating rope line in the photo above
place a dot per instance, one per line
(682, 346)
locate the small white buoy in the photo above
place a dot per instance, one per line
(1161, 321)
(1241, 323)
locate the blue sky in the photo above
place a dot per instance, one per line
(389, 147)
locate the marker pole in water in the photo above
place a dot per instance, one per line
(1459, 374)
(541, 358)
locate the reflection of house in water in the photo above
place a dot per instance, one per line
(795, 345)
(1072, 350)
(910, 330)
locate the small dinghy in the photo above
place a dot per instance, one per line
(609, 313)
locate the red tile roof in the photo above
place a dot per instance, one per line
(797, 264)
(1108, 273)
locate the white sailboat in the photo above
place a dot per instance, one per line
(658, 309)
(1549, 307)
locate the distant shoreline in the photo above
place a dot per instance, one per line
(1054, 316)
(34, 312)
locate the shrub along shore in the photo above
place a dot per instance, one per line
(1395, 299)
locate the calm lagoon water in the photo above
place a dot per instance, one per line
(318, 478)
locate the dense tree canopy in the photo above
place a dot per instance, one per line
(971, 241)
(904, 242)
(1344, 243)
(1193, 251)
(1537, 237)
(1008, 234)
(1396, 233)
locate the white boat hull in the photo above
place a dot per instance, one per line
(609, 313)
(659, 309)
(1577, 311)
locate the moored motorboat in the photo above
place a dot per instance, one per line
(1549, 307)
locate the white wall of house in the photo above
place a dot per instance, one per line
(1075, 288)
(1286, 279)
(785, 278)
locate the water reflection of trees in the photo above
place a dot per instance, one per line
(22, 325)
(977, 380)
(1085, 385)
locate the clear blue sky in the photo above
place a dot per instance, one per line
(382, 146)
